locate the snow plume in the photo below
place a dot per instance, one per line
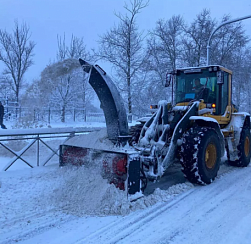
(83, 192)
(74, 191)
(96, 140)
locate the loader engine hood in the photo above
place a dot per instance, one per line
(111, 101)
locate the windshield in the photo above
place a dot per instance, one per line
(195, 86)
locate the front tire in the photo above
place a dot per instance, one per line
(200, 155)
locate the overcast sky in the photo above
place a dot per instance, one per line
(89, 19)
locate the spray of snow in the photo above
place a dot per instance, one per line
(74, 190)
(85, 192)
(96, 140)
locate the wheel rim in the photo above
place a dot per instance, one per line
(210, 156)
(247, 146)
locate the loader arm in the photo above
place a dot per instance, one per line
(111, 102)
(179, 130)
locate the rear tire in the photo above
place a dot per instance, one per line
(200, 155)
(244, 150)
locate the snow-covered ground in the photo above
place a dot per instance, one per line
(68, 205)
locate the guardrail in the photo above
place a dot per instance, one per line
(37, 136)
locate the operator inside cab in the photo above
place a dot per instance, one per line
(197, 86)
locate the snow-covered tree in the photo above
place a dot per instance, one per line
(16, 52)
(62, 82)
(122, 46)
(5, 88)
(241, 81)
(77, 49)
(165, 44)
(226, 42)
(164, 48)
(196, 37)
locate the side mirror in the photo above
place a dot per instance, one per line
(169, 79)
(220, 77)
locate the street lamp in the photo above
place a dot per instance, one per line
(224, 23)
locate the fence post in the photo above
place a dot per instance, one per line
(34, 115)
(7, 107)
(49, 116)
(74, 115)
(84, 114)
(37, 150)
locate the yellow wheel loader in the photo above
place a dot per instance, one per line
(196, 128)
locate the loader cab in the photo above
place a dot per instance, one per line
(210, 84)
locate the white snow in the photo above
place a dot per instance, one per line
(205, 110)
(208, 119)
(180, 108)
(76, 205)
(97, 140)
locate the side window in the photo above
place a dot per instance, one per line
(181, 85)
(212, 86)
(179, 89)
(224, 95)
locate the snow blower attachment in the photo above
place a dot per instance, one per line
(195, 130)
(111, 102)
(119, 168)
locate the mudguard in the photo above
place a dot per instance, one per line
(213, 123)
(238, 121)
(111, 101)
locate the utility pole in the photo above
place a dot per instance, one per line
(224, 23)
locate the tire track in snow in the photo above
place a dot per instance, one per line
(25, 227)
(46, 219)
(130, 225)
(120, 232)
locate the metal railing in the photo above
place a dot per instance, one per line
(37, 136)
(51, 115)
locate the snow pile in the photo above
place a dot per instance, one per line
(85, 192)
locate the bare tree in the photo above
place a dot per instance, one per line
(75, 49)
(16, 52)
(62, 52)
(242, 78)
(196, 37)
(228, 40)
(5, 88)
(122, 46)
(167, 35)
(164, 47)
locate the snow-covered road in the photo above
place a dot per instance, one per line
(218, 213)
(36, 207)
